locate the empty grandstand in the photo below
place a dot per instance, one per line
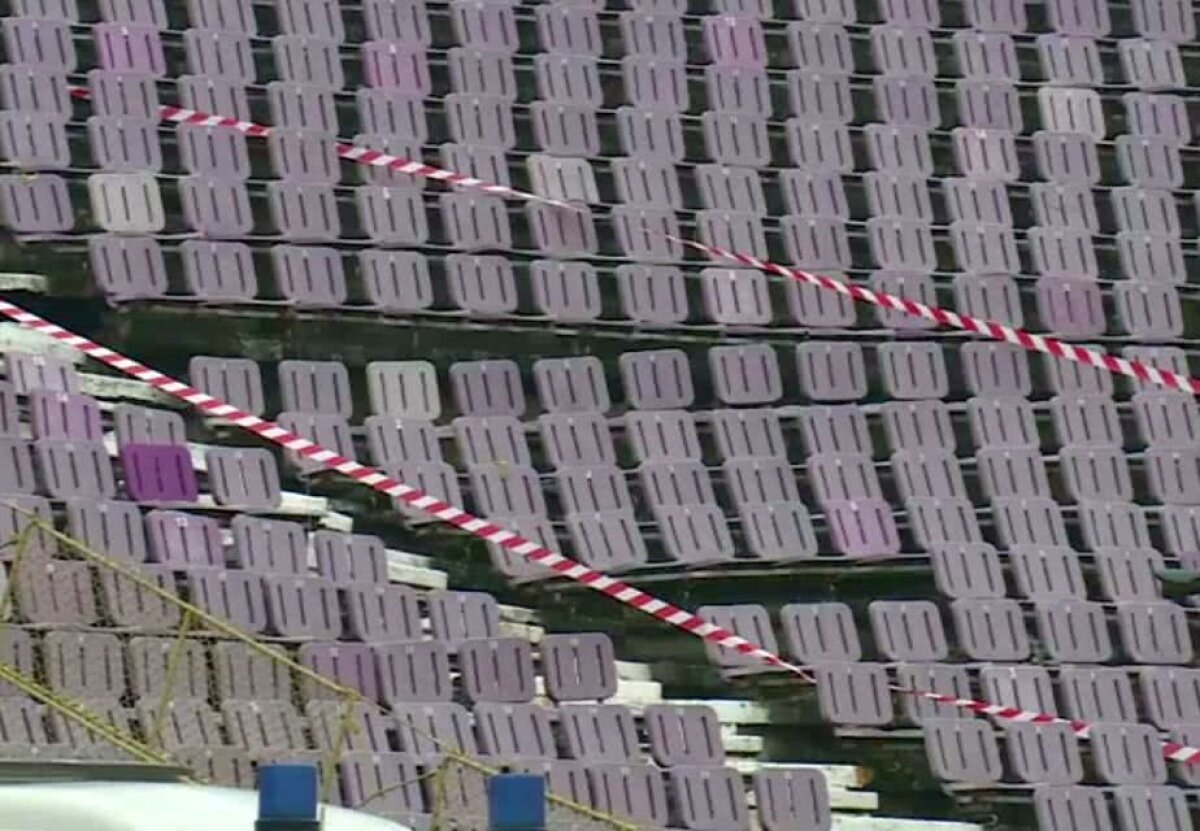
(937, 512)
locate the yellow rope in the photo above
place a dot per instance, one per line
(21, 541)
(174, 662)
(80, 714)
(449, 752)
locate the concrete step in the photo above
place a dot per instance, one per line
(852, 822)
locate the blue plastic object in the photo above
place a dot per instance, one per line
(287, 792)
(517, 802)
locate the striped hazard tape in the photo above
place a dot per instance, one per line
(533, 551)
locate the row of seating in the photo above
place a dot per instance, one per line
(1067, 629)
(911, 376)
(407, 18)
(225, 744)
(968, 751)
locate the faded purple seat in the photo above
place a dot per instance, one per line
(159, 473)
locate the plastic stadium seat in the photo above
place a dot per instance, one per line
(1060, 808)
(128, 268)
(634, 792)
(1170, 21)
(792, 800)
(652, 295)
(220, 54)
(823, 97)
(413, 670)
(329, 431)
(32, 141)
(449, 724)
(1154, 632)
(268, 546)
(737, 297)
(303, 212)
(751, 622)
(74, 468)
(237, 381)
(571, 31)
(34, 89)
(599, 733)
(230, 595)
(395, 282)
(503, 489)
(216, 207)
(396, 67)
(947, 679)
(865, 528)
(707, 797)
(370, 725)
(318, 18)
(301, 607)
(217, 95)
(963, 750)
(578, 667)
(43, 43)
(244, 477)
(1044, 754)
(1128, 754)
(1048, 573)
(515, 731)
(10, 422)
(908, 631)
(35, 205)
(349, 664)
(854, 694)
(990, 629)
(739, 89)
(607, 540)
(1157, 806)
(242, 673)
(683, 735)
(129, 605)
(148, 661)
(378, 612)
(383, 782)
(823, 145)
(1073, 631)
(820, 192)
(219, 271)
(1094, 694)
(1171, 695)
(17, 474)
(64, 415)
(112, 528)
(159, 473)
(85, 664)
(818, 633)
(263, 726)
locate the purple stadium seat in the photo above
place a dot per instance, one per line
(247, 478)
(792, 800)
(112, 528)
(237, 381)
(184, 540)
(578, 667)
(159, 473)
(231, 595)
(634, 792)
(268, 546)
(380, 613)
(302, 607)
(349, 664)
(350, 558)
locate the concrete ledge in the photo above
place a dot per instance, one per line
(19, 339)
(844, 822)
(18, 281)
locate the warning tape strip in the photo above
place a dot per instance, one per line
(533, 551)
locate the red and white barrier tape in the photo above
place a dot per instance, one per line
(535, 552)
